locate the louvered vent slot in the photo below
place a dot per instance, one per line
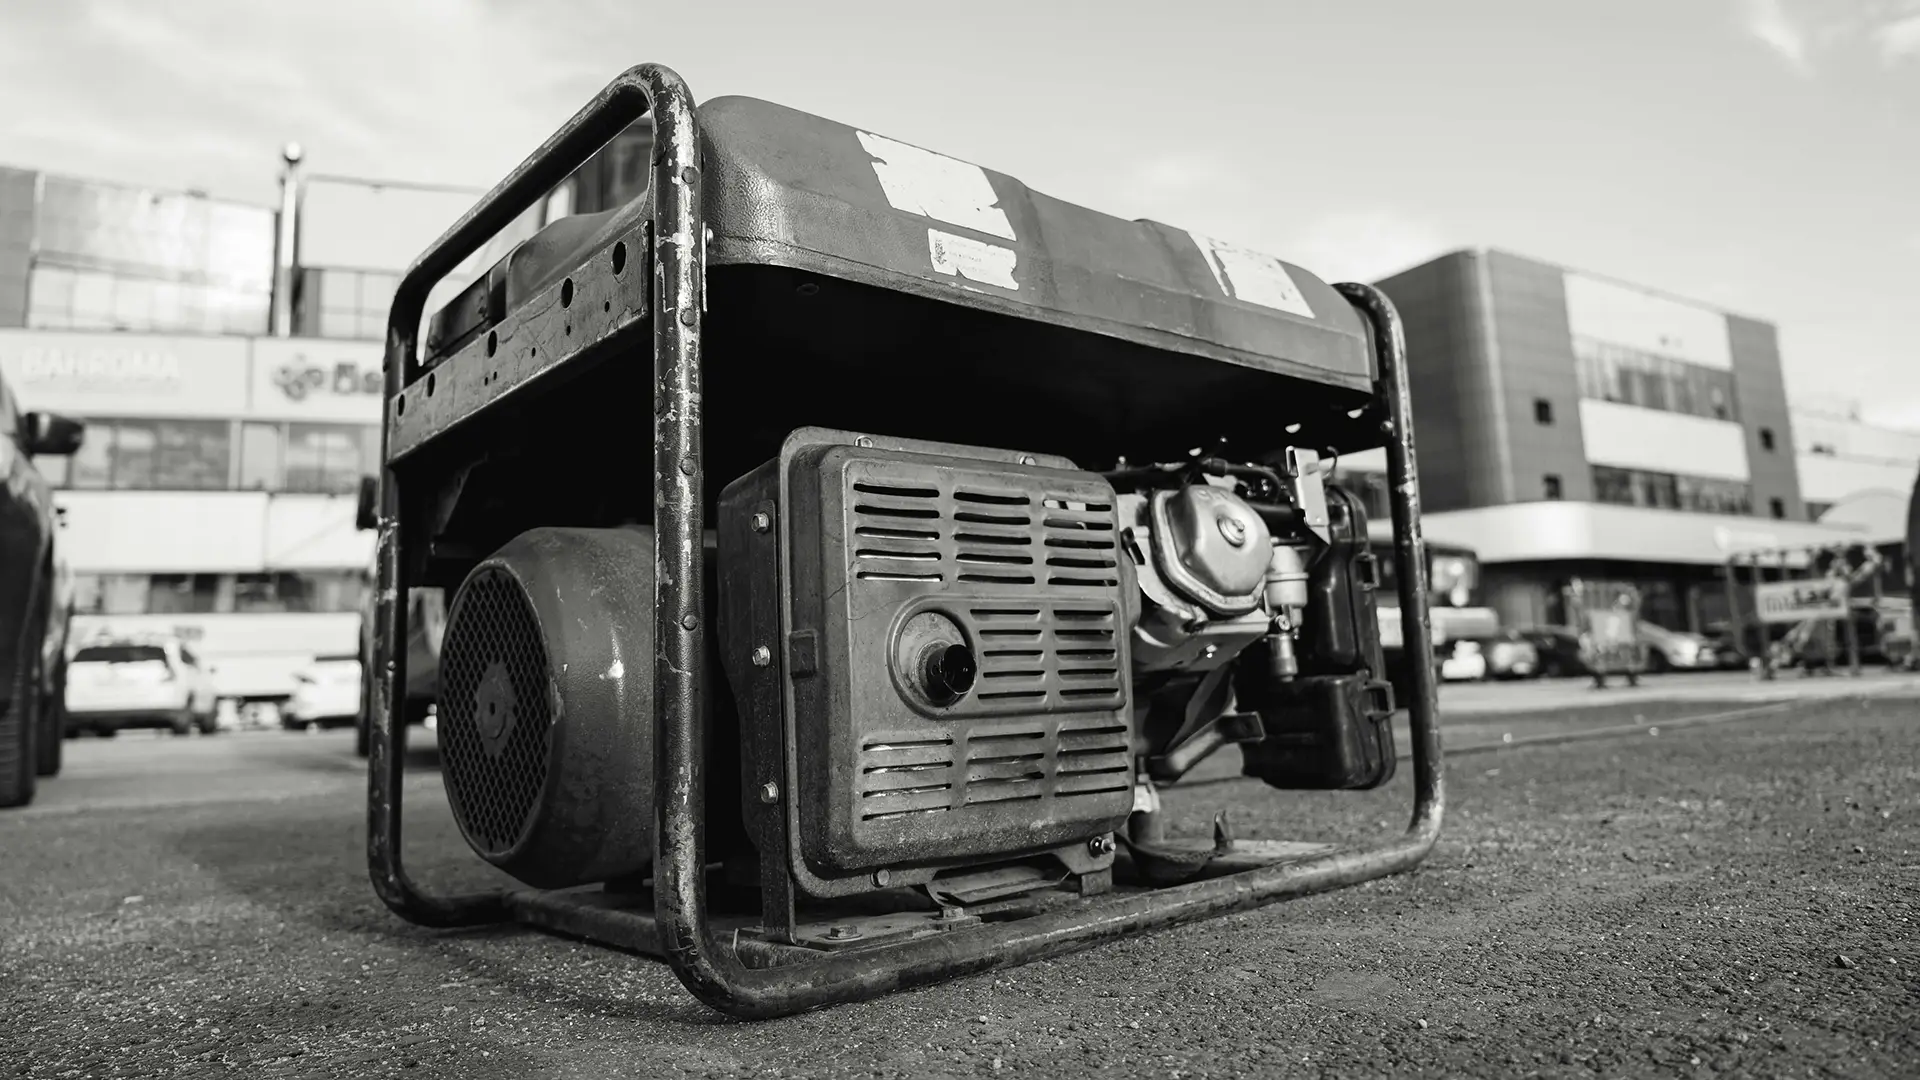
(1087, 654)
(993, 536)
(1006, 766)
(897, 532)
(906, 775)
(1013, 657)
(1093, 757)
(1081, 546)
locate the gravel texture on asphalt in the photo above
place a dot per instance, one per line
(1739, 899)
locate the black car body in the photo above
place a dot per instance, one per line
(1558, 649)
(34, 609)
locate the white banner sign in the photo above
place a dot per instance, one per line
(1796, 601)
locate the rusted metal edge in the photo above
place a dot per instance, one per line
(570, 319)
(722, 981)
(647, 87)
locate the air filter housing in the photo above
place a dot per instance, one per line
(546, 706)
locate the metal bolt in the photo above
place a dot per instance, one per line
(762, 656)
(1027, 459)
(769, 793)
(1211, 651)
(1233, 529)
(1101, 845)
(762, 521)
(863, 441)
(881, 878)
(842, 933)
(951, 914)
(689, 621)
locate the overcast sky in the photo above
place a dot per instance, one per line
(1760, 155)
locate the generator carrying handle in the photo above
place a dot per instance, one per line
(644, 89)
(714, 974)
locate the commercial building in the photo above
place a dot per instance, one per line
(1843, 459)
(1570, 425)
(232, 392)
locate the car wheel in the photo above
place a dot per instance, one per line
(1657, 663)
(53, 728)
(181, 724)
(20, 725)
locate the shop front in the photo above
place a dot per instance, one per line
(214, 496)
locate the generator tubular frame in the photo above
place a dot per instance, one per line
(759, 980)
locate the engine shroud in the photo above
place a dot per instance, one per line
(546, 706)
(952, 644)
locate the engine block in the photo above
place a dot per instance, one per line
(953, 644)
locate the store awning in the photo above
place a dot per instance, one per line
(1554, 531)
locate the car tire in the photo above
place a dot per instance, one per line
(209, 724)
(181, 725)
(20, 723)
(1657, 663)
(53, 728)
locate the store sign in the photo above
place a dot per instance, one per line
(96, 374)
(302, 378)
(1797, 601)
(118, 368)
(344, 379)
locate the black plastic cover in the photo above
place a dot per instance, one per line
(1342, 631)
(785, 188)
(1324, 733)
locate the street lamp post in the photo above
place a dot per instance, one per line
(286, 246)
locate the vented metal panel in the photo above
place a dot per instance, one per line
(898, 552)
(981, 535)
(911, 772)
(496, 713)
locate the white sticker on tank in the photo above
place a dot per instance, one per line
(945, 189)
(1252, 277)
(975, 260)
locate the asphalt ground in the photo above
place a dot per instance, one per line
(1738, 896)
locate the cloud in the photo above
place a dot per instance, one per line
(1899, 39)
(1769, 23)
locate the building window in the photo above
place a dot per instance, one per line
(218, 455)
(1667, 491)
(1778, 507)
(328, 459)
(152, 455)
(1766, 439)
(1552, 483)
(327, 592)
(1626, 376)
(1543, 412)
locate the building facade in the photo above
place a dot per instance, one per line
(214, 495)
(1842, 458)
(1573, 426)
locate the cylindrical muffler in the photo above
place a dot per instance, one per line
(546, 706)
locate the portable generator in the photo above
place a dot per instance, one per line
(970, 520)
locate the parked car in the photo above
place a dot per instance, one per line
(1899, 644)
(1462, 661)
(326, 694)
(1677, 650)
(1557, 651)
(1509, 655)
(34, 604)
(426, 628)
(145, 681)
